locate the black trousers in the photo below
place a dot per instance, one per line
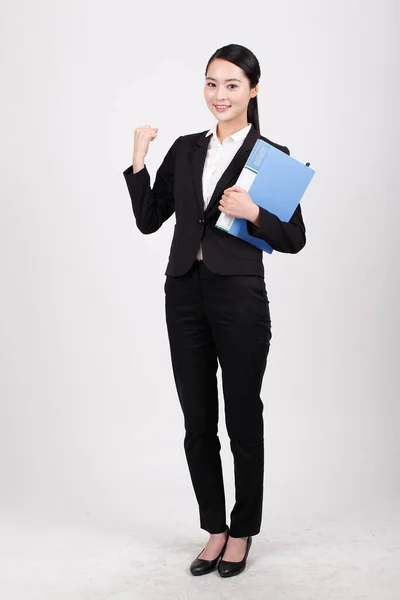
(223, 318)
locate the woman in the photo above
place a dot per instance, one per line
(217, 308)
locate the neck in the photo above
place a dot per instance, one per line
(226, 128)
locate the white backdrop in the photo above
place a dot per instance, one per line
(91, 429)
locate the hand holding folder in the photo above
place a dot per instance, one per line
(275, 181)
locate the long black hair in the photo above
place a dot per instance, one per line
(247, 61)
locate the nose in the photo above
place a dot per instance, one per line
(220, 94)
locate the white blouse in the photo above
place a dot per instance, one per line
(217, 160)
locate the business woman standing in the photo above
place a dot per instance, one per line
(217, 307)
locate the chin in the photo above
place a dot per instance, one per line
(223, 116)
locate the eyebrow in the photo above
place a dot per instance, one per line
(225, 79)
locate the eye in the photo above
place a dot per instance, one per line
(212, 84)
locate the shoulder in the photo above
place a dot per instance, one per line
(188, 139)
(284, 149)
(184, 143)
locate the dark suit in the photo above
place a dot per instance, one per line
(216, 310)
(178, 188)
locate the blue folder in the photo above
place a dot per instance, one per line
(277, 182)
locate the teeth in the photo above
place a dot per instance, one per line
(222, 106)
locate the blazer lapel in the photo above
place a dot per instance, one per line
(230, 174)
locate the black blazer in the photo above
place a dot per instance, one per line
(178, 188)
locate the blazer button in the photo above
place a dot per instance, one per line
(201, 221)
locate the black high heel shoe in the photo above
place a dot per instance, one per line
(200, 566)
(227, 568)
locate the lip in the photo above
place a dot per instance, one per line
(222, 109)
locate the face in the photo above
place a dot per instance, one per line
(227, 85)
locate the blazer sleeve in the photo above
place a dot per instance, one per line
(281, 236)
(153, 205)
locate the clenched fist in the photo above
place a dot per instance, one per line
(143, 136)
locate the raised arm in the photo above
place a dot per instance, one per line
(152, 205)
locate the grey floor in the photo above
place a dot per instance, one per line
(351, 557)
